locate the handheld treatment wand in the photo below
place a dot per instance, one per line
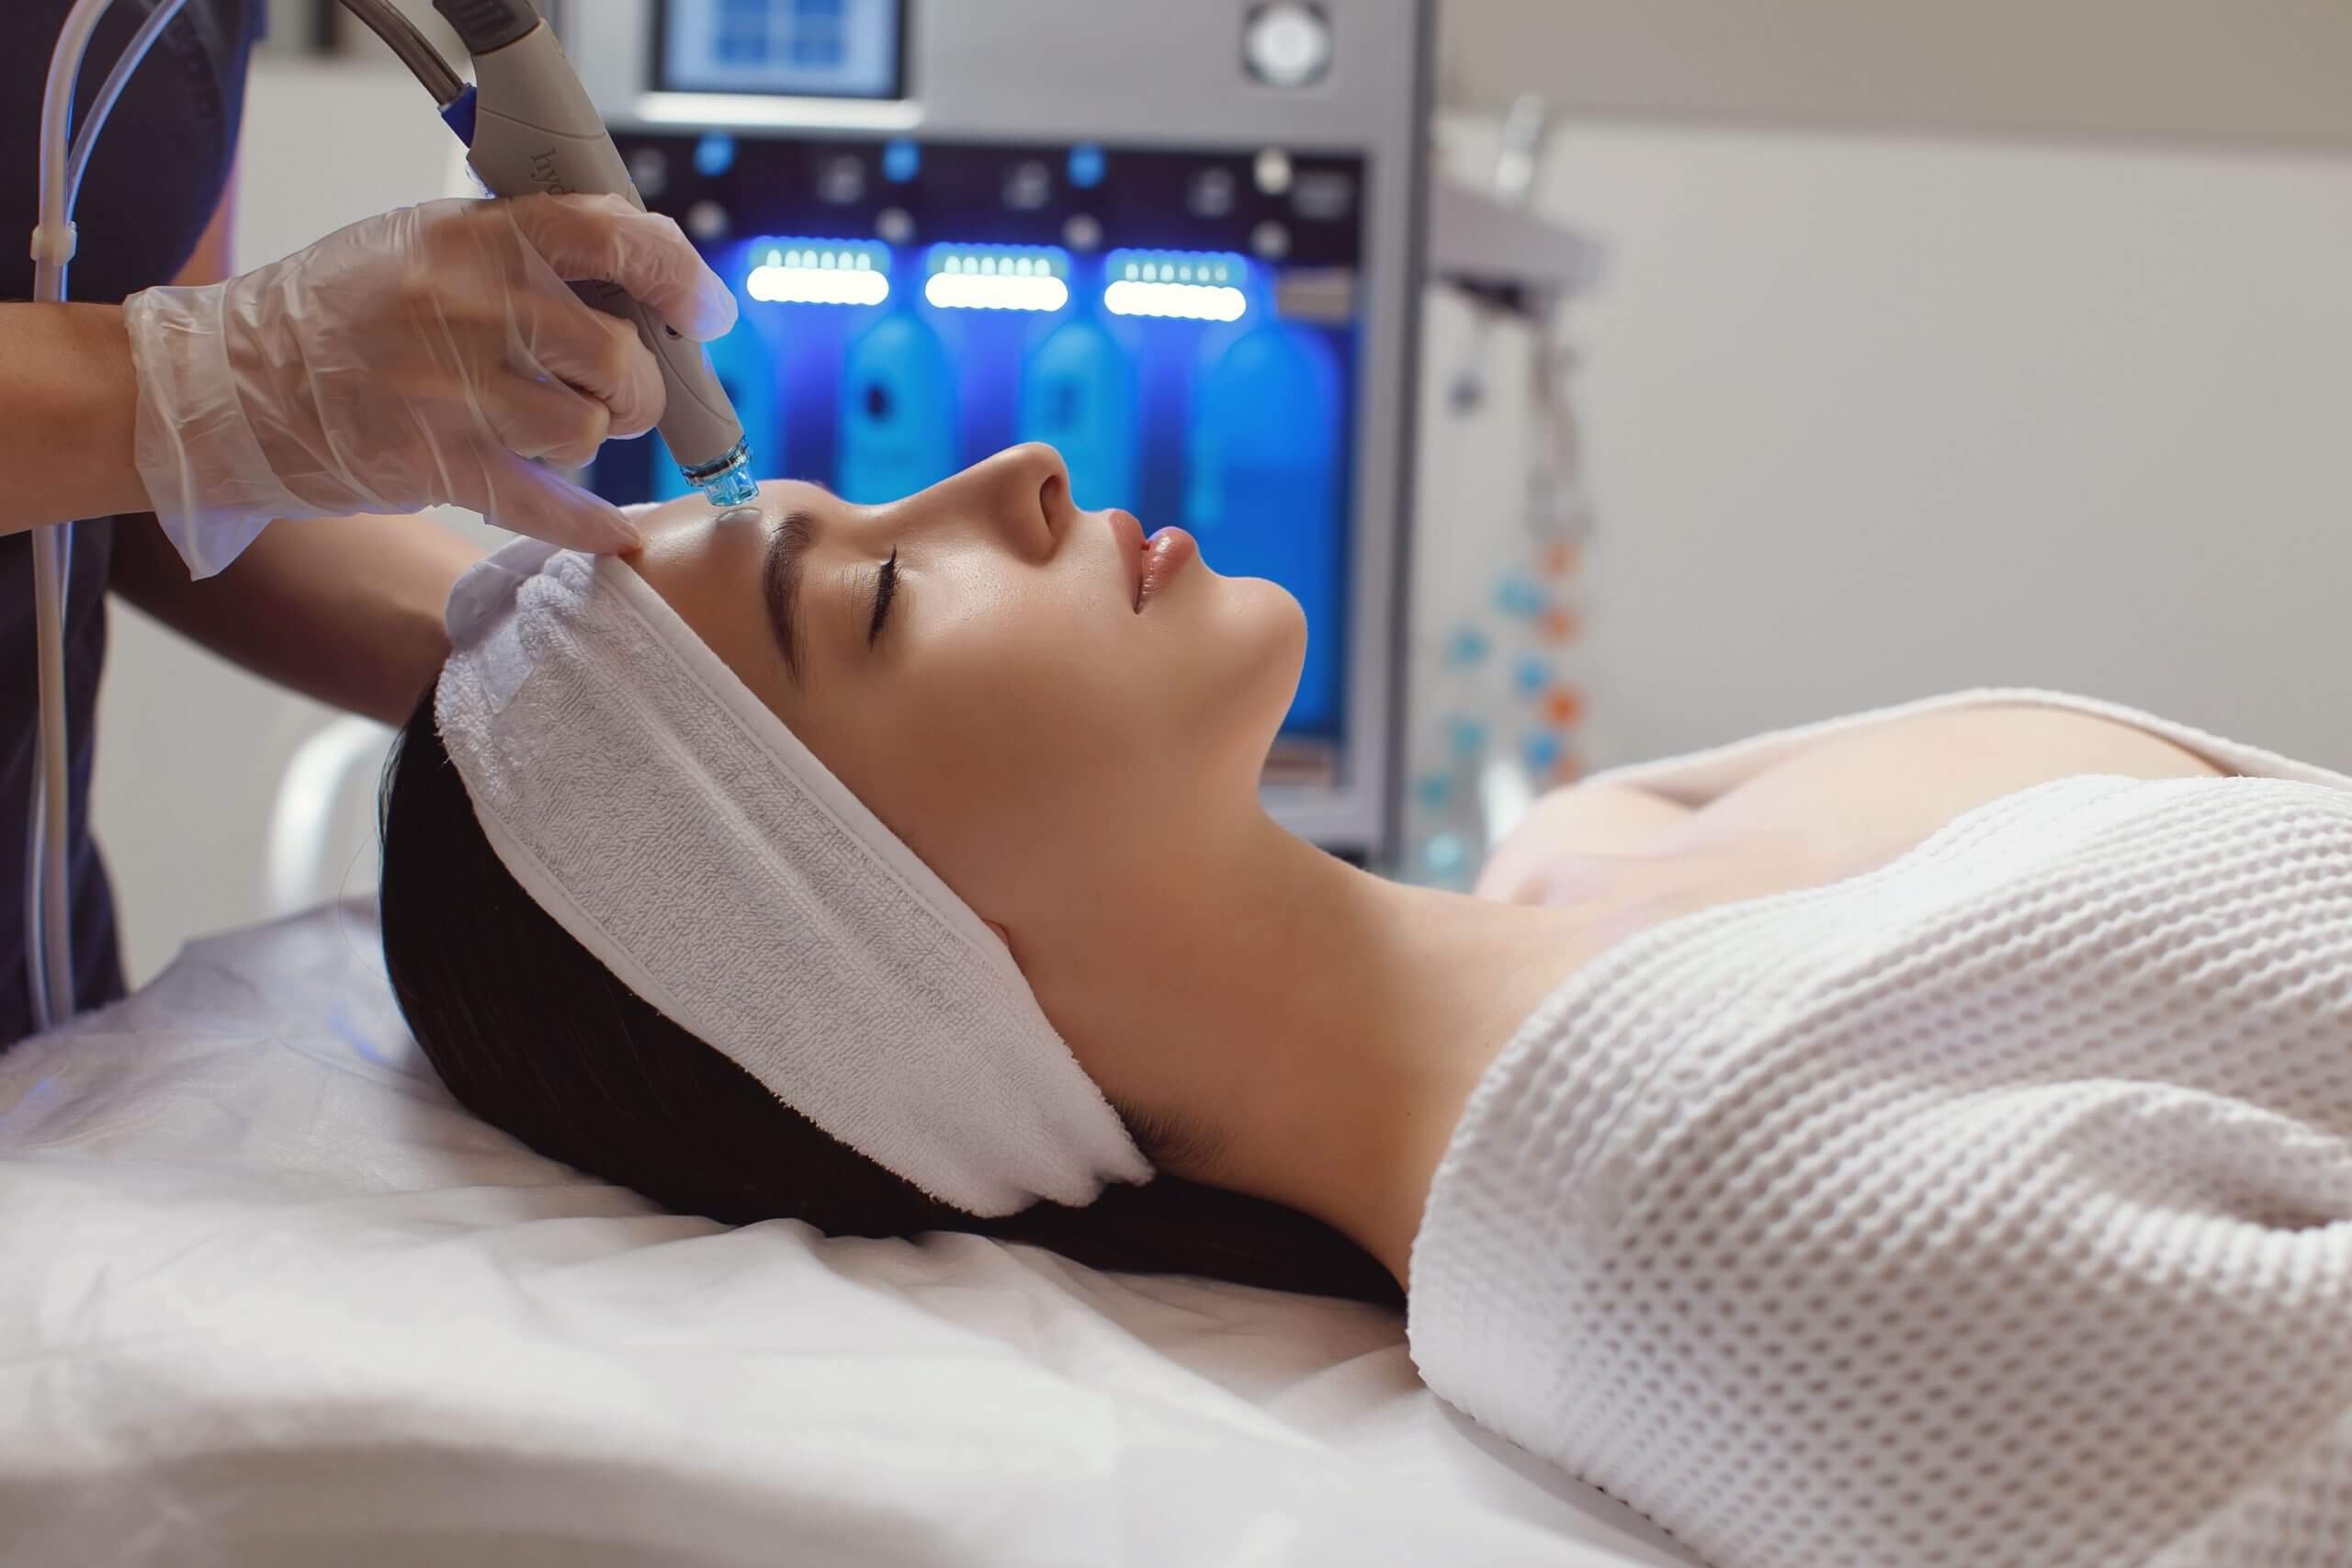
(529, 128)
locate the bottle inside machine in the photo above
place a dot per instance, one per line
(897, 416)
(1262, 490)
(1077, 394)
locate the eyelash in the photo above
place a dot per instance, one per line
(885, 588)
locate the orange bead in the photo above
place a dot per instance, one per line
(1559, 625)
(1568, 768)
(1564, 705)
(1560, 557)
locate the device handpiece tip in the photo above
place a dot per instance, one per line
(729, 483)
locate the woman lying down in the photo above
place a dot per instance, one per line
(1924, 1140)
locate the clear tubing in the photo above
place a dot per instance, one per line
(35, 963)
(56, 111)
(94, 117)
(48, 916)
(51, 913)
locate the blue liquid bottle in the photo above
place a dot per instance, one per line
(898, 425)
(1262, 494)
(1078, 395)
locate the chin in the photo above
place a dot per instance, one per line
(1265, 638)
(1226, 693)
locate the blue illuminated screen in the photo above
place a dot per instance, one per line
(833, 49)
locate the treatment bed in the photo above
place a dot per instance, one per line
(271, 1297)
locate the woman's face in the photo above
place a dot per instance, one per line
(1038, 700)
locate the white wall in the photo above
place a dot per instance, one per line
(2174, 69)
(1872, 417)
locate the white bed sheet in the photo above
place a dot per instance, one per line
(267, 1296)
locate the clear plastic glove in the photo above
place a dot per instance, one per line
(423, 356)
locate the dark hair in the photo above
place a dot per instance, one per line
(536, 1036)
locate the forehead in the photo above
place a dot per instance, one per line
(708, 564)
(689, 533)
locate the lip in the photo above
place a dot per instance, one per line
(1131, 539)
(1167, 553)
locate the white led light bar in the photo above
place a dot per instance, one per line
(966, 291)
(1188, 301)
(816, 272)
(1022, 278)
(1193, 286)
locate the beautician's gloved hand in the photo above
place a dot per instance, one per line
(426, 355)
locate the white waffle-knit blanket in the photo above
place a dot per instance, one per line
(1994, 1207)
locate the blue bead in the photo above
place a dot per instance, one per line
(1542, 750)
(1086, 165)
(1530, 675)
(901, 159)
(1468, 646)
(1445, 853)
(1433, 790)
(714, 154)
(1520, 594)
(1465, 738)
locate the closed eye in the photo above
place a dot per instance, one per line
(886, 589)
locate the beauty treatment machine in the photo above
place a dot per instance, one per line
(1181, 243)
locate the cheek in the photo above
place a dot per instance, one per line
(1006, 751)
(1016, 819)
(1035, 746)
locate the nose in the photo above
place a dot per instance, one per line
(1022, 493)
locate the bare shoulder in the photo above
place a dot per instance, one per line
(1845, 801)
(1851, 800)
(1594, 820)
(2012, 746)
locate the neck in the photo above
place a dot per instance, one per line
(1317, 1027)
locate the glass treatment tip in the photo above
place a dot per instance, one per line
(727, 482)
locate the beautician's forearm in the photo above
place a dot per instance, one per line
(68, 406)
(346, 609)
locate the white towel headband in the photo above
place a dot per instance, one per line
(664, 817)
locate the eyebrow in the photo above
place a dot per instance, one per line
(787, 553)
